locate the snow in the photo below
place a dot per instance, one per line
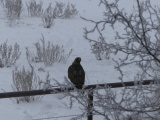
(66, 32)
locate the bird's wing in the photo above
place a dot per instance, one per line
(83, 73)
(81, 76)
(71, 74)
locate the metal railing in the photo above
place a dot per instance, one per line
(90, 95)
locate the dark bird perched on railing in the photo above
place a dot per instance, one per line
(76, 73)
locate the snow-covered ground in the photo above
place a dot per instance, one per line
(66, 32)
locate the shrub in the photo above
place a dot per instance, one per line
(48, 17)
(64, 11)
(58, 10)
(70, 11)
(12, 8)
(100, 50)
(9, 54)
(48, 53)
(26, 80)
(34, 9)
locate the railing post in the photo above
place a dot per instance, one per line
(90, 105)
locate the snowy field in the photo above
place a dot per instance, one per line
(69, 33)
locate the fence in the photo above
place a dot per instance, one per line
(90, 95)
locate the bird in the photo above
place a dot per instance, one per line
(76, 73)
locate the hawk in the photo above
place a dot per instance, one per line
(76, 73)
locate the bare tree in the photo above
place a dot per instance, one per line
(140, 41)
(137, 44)
(129, 103)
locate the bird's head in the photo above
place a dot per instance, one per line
(77, 60)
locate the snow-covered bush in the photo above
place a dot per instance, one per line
(70, 11)
(9, 54)
(12, 9)
(26, 80)
(47, 53)
(100, 50)
(47, 83)
(34, 9)
(64, 11)
(58, 10)
(48, 17)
